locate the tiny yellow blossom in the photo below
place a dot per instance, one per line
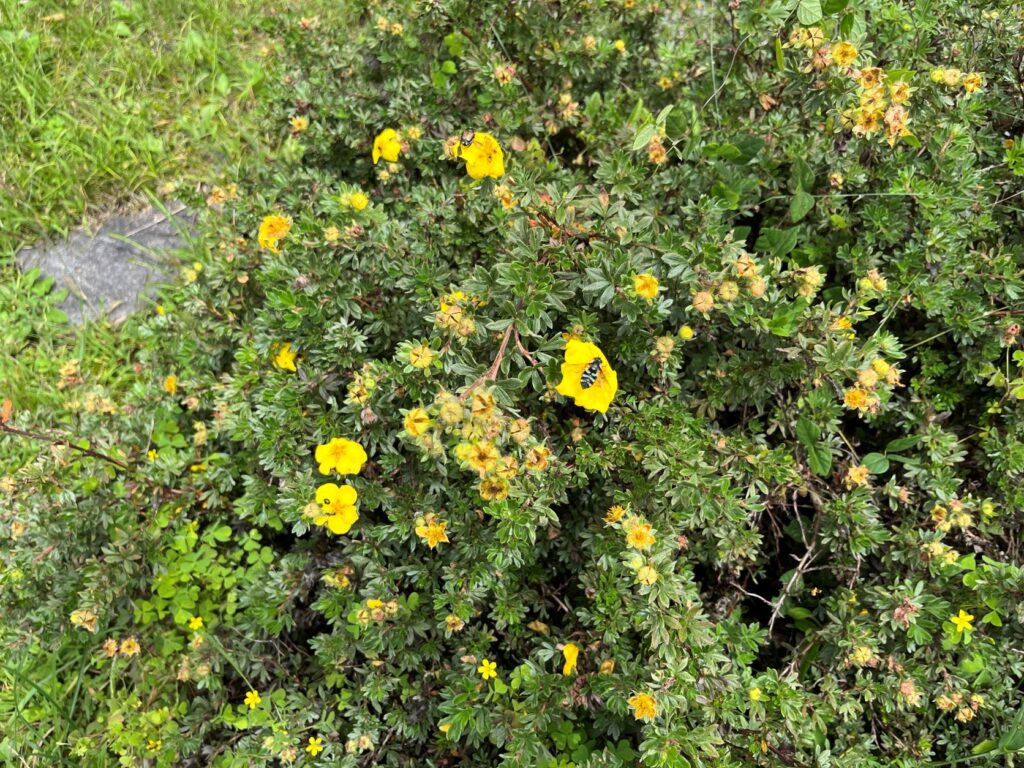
(273, 229)
(487, 669)
(962, 621)
(285, 357)
(315, 745)
(571, 652)
(645, 286)
(644, 706)
(195, 623)
(252, 699)
(640, 536)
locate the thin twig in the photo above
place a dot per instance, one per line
(492, 373)
(62, 441)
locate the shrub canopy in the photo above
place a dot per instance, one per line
(579, 383)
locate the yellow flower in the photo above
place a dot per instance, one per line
(856, 397)
(299, 123)
(387, 145)
(493, 489)
(416, 422)
(338, 505)
(614, 514)
(421, 356)
(343, 456)
(252, 699)
(171, 384)
(130, 647)
(620, 46)
(587, 376)
(110, 647)
(454, 623)
(640, 536)
(703, 301)
(607, 666)
(755, 694)
(880, 366)
(483, 156)
(899, 92)
(962, 621)
(444, 728)
(433, 532)
(196, 622)
(85, 619)
(273, 229)
(644, 706)
(285, 357)
(862, 656)
(686, 333)
(315, 745)
(972, 82)
(951, 77)
(537, 459)
(857, 476)
(645, 286)
(487, 669)
(844, 53)
(359, 200)
(153, 745)
(483, 457)
(571, 652)
(646, 575)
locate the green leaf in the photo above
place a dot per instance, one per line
(808, 12)
(901, 444)
(876, 462)
(807, 432)
(778, 242)
(663, 115)
(726, 194)
(802, 175)
(819, 458)
(780, 61)
(800, 205)
(984, 746)
(992, 618)
(785, 320)
(644, 136)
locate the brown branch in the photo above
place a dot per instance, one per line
(62, 441)
(523, 352)
(492, 373)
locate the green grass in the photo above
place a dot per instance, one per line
(102, 101)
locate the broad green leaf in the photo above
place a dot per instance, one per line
(808, 12)
(819, 458)
(644, 136)
(876, 462)
(800, 205)
(807, 431)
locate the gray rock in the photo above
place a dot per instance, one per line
(109, 271)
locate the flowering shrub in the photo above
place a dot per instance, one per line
(666, 360)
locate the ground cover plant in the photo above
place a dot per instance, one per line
(569, 384)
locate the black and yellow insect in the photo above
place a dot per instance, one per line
(590, 373)
(467, 138)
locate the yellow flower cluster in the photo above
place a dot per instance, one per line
(953, 78)
(882, 104)
(364, 382)
(377, 611)
(338, 511)
(863, 395)
(477, 430)
(453, 314)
